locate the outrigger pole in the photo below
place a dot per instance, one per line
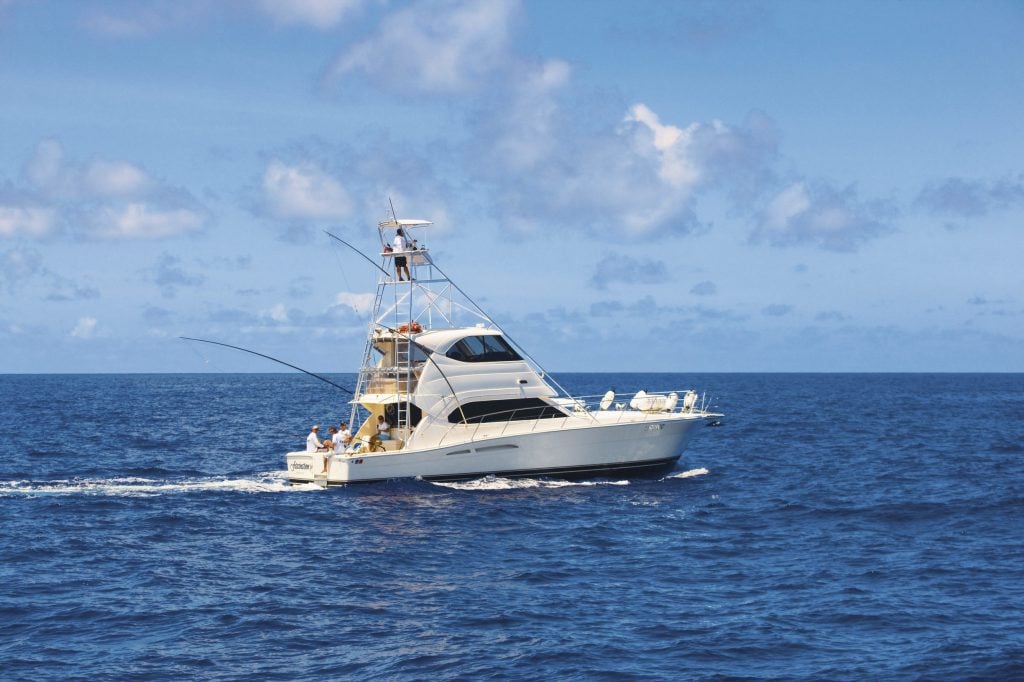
(280, 362)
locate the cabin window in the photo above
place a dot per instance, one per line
(482, 349)
(518, 409)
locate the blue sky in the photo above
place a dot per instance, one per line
(641, 186)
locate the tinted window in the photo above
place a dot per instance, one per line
(504, 410)
(482, 349)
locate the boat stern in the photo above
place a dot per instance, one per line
(303, 466)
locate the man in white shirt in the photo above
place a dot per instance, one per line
(383, 429)
(401, 246)
(343, 439)
(312, 441)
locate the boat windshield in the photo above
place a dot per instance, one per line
(482, 349)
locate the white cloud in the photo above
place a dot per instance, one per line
(321, 14)
(434, 46)
(104, 198)
(113, 178)
(85, 328)
(819, 214)
(33, 221)
(524, 132)
(359, 302)
(52, 176)
(787, 206)
(139, 220)
(304, 191)
(278, 313)
(667, 146)
(639, 176)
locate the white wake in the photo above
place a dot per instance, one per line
(265, 482)
(498, 483)
(689, 474)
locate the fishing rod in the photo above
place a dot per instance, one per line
(368, 259)
(280, 362)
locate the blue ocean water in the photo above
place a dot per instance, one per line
(846, 527)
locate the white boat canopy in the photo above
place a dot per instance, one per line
(404, 222)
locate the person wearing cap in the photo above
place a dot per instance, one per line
(312, 441)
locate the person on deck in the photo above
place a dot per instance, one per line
(344, 439)
(401, 246)
(383, 428)
(312, 440)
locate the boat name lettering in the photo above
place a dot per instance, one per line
(296, 466)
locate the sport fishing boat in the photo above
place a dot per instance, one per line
(460, 399)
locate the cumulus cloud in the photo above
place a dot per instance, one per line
(523, 130)
(114, 178)
(818, 214)
(304, 191)
(85, 328)
(637, 175)
(102, 198)
(318, 181)
(139, 220)
(434, 46)
(25, 220)
(971, 198)
(628, 270)
(51, 175)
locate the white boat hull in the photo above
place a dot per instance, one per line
(578, 447)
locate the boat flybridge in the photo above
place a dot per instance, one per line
(459, 399)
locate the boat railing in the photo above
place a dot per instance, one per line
(391, 379)
(650, 405)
